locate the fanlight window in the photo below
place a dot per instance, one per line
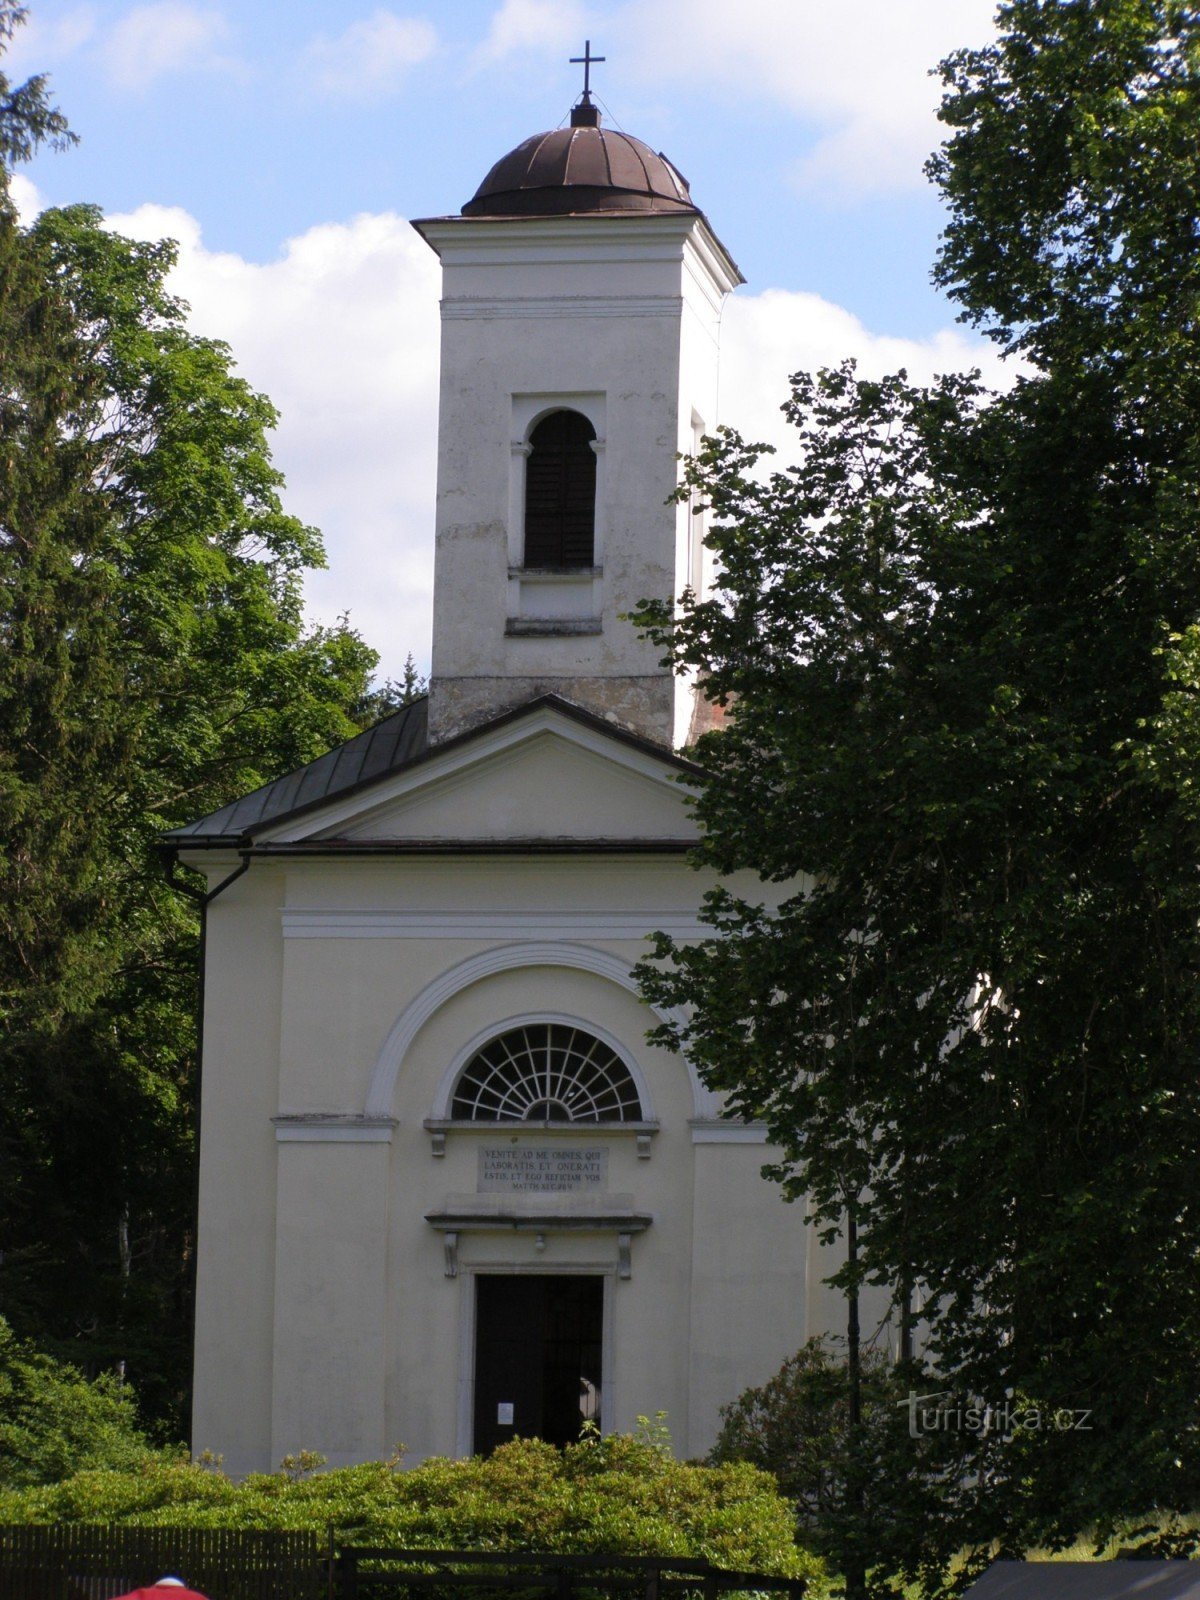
(546, 1072)
(560, 492)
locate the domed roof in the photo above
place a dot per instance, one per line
(579, 169)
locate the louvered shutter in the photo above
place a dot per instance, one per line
(560, 493)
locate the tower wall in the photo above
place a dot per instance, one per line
(615, 317)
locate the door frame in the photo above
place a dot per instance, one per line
(465, 1419)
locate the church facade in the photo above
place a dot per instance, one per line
(448, 1192)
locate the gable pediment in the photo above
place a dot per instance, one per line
(542, 776)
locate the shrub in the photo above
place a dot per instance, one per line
(795, 1427)
(858, 1494)
(616, 1494)
(55, 1422)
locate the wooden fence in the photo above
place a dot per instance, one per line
(93, 1563)
(86, 1563)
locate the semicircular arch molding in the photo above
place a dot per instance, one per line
(504, 958)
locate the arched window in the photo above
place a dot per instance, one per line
(546, 1072)
(560, 492)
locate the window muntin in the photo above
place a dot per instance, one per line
(560, 492)
(546, 1072)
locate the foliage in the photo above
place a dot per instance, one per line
(382, 699)
(959, 643)
(611, 1494)
(55, 1422)
(154, 664)
(27, 119)
(795, 1426)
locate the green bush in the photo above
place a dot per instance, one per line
(858, 1493)
(54, 1421)
(796, 1428)
(617, 1494)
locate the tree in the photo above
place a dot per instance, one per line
(959, 644)
(54, 1422)
(154, 663)
(796, 1427)
(27, 119)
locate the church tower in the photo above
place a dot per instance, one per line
(581, 308)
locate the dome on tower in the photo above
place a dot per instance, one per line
(583, 168)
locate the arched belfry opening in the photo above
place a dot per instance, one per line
(560, 493)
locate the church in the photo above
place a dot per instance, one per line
(449, 1194)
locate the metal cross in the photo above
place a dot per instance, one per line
(586, 61)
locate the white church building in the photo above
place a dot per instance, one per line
(448, 1192)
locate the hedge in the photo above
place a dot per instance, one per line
(617, 1493)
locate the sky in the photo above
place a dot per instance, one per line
(285, 144)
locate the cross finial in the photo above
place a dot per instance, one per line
(586, 61)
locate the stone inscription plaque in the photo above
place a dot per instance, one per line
(542, 1168)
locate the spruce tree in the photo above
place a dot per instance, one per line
(154, 663)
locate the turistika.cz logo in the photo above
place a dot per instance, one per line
(941, 1413)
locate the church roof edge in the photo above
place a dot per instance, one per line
(399, 741)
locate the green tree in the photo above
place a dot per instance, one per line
(796, 1427)
(959, 640)
(54, 1422)
(154, 663)
(384, 698)
(27, 118)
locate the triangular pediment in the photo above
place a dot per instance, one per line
(541, 775)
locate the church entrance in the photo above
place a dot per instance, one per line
(537, 1357)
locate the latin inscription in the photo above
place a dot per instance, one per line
(541, 1169)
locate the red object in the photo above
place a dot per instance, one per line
(163, 1591)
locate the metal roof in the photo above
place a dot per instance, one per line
(1088, 1580)
(398, 741)
(583, 168)
(389, 745)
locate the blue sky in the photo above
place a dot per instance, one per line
(285, 143)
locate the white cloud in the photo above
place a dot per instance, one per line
(371, 56)
(342, 333)
(25, 196)
(766, 337)
(859, 74)
(43, 40)
(162, 37)
(539, 25)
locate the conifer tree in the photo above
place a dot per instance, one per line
(153, 664)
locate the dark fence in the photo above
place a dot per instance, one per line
(91, 1563)
(84, 1563)
(369, 1574)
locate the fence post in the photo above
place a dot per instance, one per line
(347, 1570)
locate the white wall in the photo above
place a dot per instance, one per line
(326, 1317)
(615, 317)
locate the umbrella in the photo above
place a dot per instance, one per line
(164, 1589)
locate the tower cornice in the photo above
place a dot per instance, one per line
(579, 240)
